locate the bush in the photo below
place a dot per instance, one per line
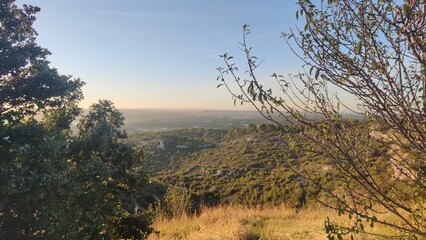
(177, 202)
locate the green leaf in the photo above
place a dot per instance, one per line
(317, 74)
(406, 9)
(358, 47)
(310, 70)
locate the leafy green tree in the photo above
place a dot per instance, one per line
(375, 52)
(27, 83)
(109, 177)
(32, 156)
(55, 184)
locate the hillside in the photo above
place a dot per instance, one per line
(250, 166)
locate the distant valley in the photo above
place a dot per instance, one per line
(148, 120)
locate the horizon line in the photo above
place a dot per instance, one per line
(182, 109)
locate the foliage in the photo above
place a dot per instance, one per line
(162, 147)
(135, 226)
(177, 202)
(57, 184)
(243, 168)
(28, 83)
(373, 51)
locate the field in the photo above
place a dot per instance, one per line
(232, 223)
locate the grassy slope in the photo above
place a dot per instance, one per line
(228, 222)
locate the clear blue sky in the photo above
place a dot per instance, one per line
(163, 53)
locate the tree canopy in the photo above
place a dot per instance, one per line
(56, 183)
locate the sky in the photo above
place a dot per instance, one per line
(164, 53)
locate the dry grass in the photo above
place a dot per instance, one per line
(228, 222)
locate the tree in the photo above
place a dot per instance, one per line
(27, 83)
(32, 158)
(376, 52)
(110, 179)
(55, 184)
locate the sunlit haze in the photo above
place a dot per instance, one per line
(161, 54)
